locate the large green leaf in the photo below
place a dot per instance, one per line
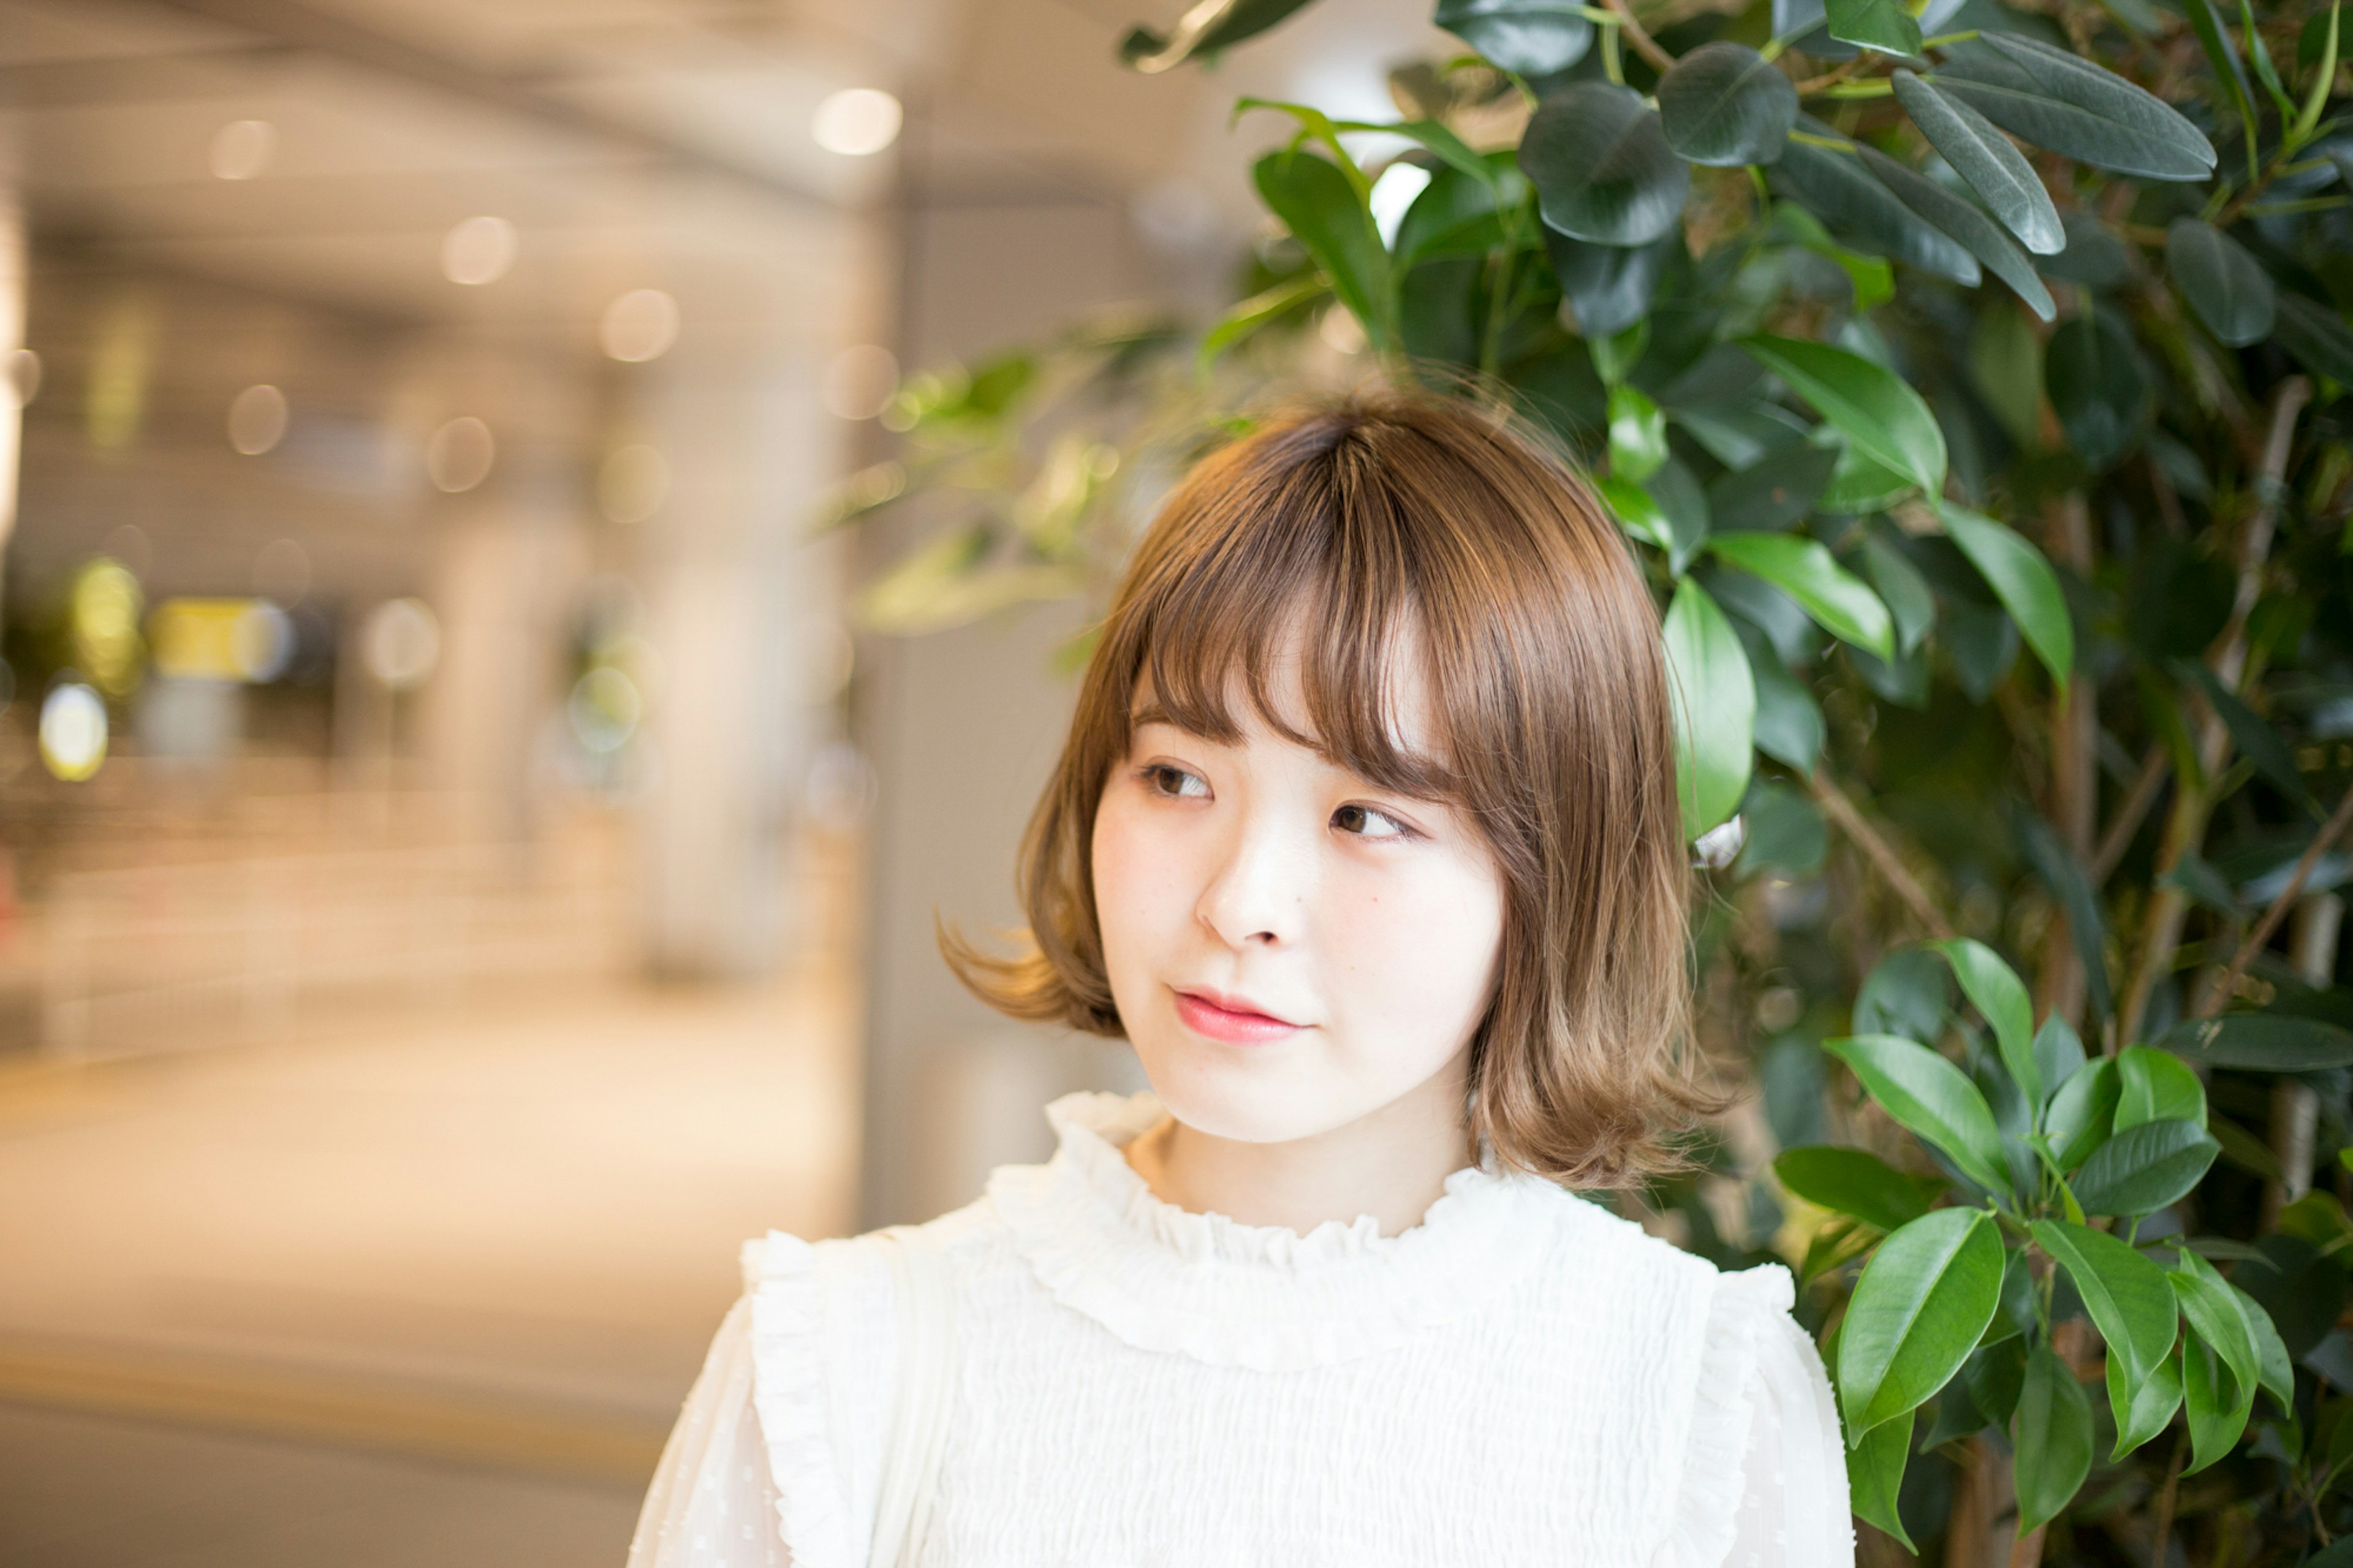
(1531, 37)
(1259, 310)
(1149, 51)
(1930, 1097)
(2144, 1168)
(1840, 603)
(1789, 720)
(1875, 1476)
(2261, 1042)
(2144, 1407)
(1324, 213)
(1608, 286)
(2021, 578)
(1901, 588)
(1924, 1298)
(2274, 1371)
(2095, 381)
(2126, 1295)
(1984, 157)
(2218, 1315)
(1909, 992)
(2058, 100)
(1601, 166)
(2155, 1086)
(2215, 1401)
(1725, 104)
(1876, 409)
(1881, 24)
(1852, 1182)
(2082, 1113)
(2052, 1434)
(1999, 997)
(2225, 286)
(1832, 184)
(1966, 222)
(1715, 706)
(2317, 335)
(1861, 485)
(1638, 435)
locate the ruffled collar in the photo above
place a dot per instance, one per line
(1205, 1286)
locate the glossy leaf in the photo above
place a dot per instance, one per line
(1901, 587)
(1859, 485)
(1638, 435)
(2145, 1407)
(1636, 512)
(1879, 413)
(1323, 212)
(1601, 166)
(2261, 1042)
(1776, 491)
(1875, 1477)
(1832, 184)
(1258, 311)
(1852, 1182)
(2275, 1372)
(1881, 24)
(1924, 1298)
(2052, 1435)
(2216, 1403)
(1725, 104)
(1931, 1098)
(2226, 287)
(1994, 989)
(1608, 286)
(2095, 385)
(1789, 720)
(1531, 37)
(2144, 1168)
(1840, 603)
(2155, 1086)
(2081, 1112)
(1909, 992)
(2058, 100)
(1995, 1373)
(1983, 156)
(1148, 51)
(1714, 701)
(2223, 55)
(2059, 1051)
(1962, 220)
(2317, 335)
(2022, 578)
(2126, 1295)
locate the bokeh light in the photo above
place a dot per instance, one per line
(477, 251)
(73, 732)
(401, 643)
(257, 420)
(857, 120)
(460, 454)
(603, 709)
(242, 148)
(20, 377)
(859, 380)
(102, 611)
(639, 326)
(632, 483)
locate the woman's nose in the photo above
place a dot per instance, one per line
(1256, 895)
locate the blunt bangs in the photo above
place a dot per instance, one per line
(1355, 537)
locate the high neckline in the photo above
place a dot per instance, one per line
(1206, 1286)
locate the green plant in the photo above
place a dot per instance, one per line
(1969, 378)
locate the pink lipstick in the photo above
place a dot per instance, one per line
(1234, 1020)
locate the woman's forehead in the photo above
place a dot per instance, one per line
(1278, 692)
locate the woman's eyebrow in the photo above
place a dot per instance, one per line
(1151, 713)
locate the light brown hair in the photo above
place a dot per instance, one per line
(1542, 662)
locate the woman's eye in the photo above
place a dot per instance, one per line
(1365, 822)
(1174, 781)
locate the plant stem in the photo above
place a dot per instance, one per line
(2130, 812)
(2184, 828)
(2218, 995)
(1637, 35)
(2165, 1504)
(1840, 810)
(2027, 1552)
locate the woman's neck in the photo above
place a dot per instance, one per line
(1391, 1163)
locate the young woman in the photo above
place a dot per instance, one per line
(1366, 839)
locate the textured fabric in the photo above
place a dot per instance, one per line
(1521, 1378)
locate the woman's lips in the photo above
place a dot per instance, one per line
(1229, 1020)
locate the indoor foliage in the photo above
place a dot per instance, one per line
(1971, 378)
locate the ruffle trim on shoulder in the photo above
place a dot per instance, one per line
(1704, 1513)
(1266, 1297)
(780, 1272)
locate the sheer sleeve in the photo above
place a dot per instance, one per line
(1793, 1509)
(712, 1503)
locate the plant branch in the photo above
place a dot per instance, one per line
(2130, 812)
(2218, 995)
(1640, 37)
(1840, 810)
(2165, 1502)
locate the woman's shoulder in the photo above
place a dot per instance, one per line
(1594, 1242)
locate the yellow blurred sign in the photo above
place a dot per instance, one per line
(218, 639)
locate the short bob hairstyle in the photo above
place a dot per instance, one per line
(1340, 524)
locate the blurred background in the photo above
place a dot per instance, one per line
(463, 865)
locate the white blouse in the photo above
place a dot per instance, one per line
(1521, 1378)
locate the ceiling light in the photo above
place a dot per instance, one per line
(857, 120)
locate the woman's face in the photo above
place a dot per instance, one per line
(1290, 949)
